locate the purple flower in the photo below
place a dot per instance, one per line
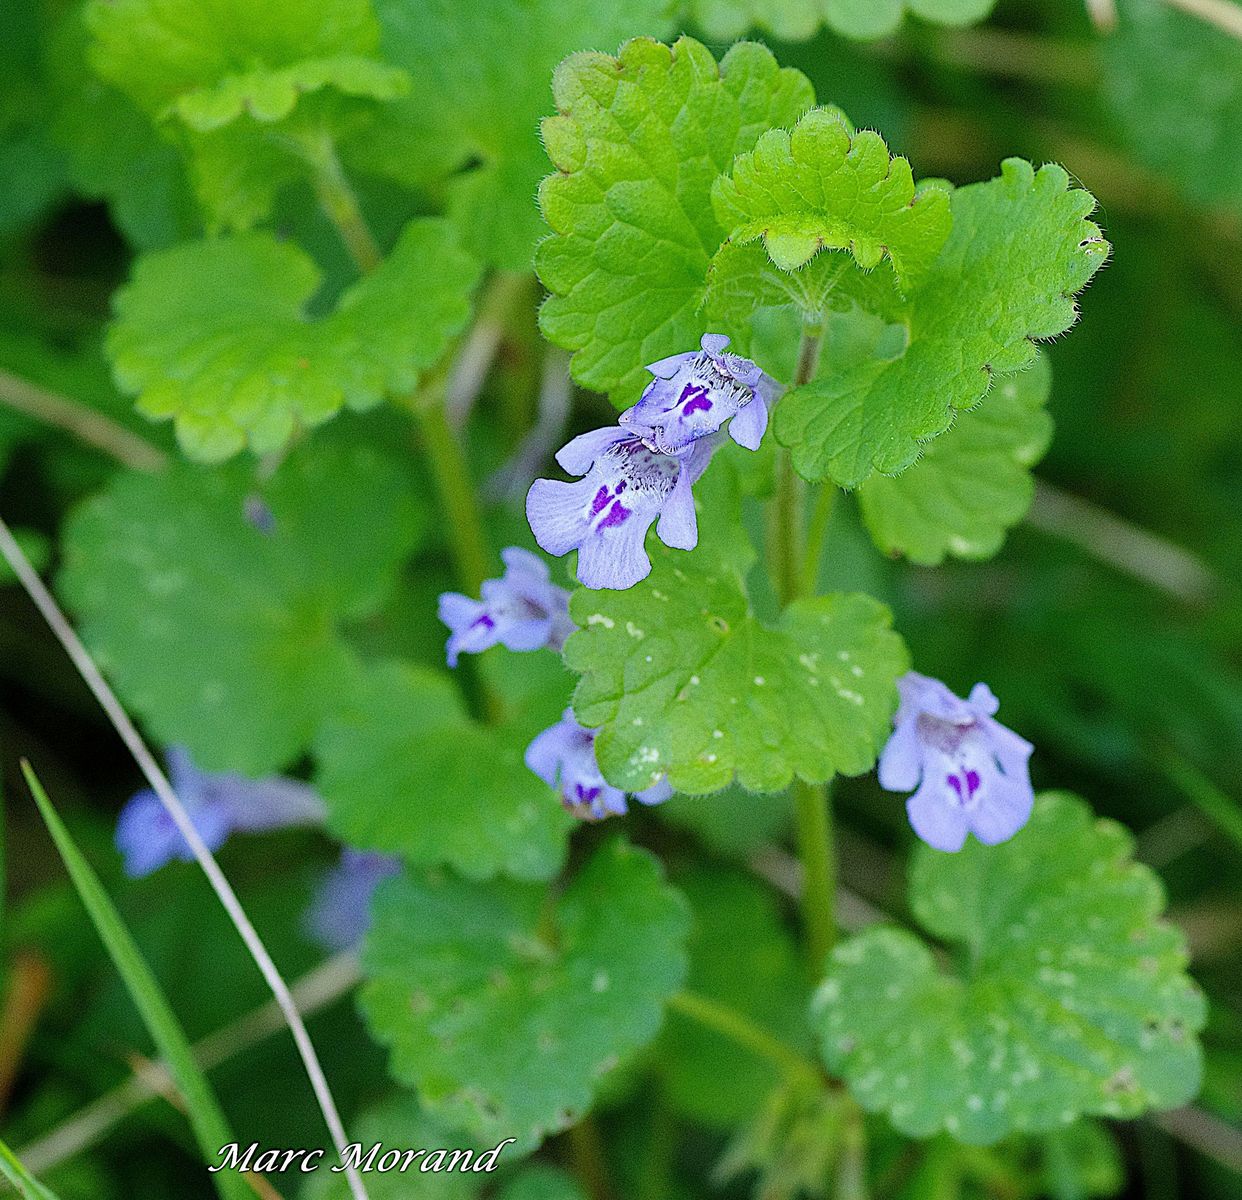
(971, 772)
(523, 610)
(564, 758)
(695, 393)
(217, 804)
(340, 912)
(605, 516)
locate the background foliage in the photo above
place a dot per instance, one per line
(172, 179)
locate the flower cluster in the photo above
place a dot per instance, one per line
(218, 805)
(523, 610)
(971, 772)
(644, 468)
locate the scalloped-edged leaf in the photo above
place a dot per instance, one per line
(1020, 249)
(1174, 84)
(404, 769)
(682, 678)
(480, 84)
(972, 483)
(797, 20)
(822, 186)
(505, 1008)
(220, 631)
(236, 358)
(638, 141)
(1072, 996)
(231, 74)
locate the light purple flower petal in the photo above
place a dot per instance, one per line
(679, 527)
(148, 838)
(217, 804)
(340, 913)
(564, 758)
(577, 455)
(666, 368)
(749, 426)
(696, 399)
(972, 772)
(942, 826)
(523, 610)
(606, 516)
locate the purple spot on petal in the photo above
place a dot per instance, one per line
(972, 782)
(956, 784)
(600, 502)
(697, 404)
(617, 515)
(484, 622)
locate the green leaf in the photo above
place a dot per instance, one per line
(504, 1007)
(465, 797)
(823, 186)
(638, 142)
(1174, 86)
(683, 679)
(866, 19)
(972, 482)
(210, 1127)
(237, 359)
(224, 638)
(797, 20)
(480, 77)
(1019, 250)
(400, 1123)
(542, 1182)
(1072, 998)
(248, 87)
(742, 955)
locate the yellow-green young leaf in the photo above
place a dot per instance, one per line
(505, 1007)
(245, 83)
(216, 335)
(1071, 999)
(480, 82)
(25, 1184)
(797, 20)
(404, 769)
(972, 483)
(638, 141)
(823, 186)
(214, 601)
(1020, 249)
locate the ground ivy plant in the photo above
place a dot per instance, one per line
(784, 320)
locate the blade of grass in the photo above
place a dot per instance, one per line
(93, 677)
(26, 1185)
(211, 1130)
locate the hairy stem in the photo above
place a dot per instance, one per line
(129, 734)
(588, 1160)
(817, 530)
(817, 850)
(339, 203)
(739, 1028)
(84, 423)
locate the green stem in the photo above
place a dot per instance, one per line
(816, 849)
(588, 1160)
(817, 530)
(741, 1029)
(339, 202)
